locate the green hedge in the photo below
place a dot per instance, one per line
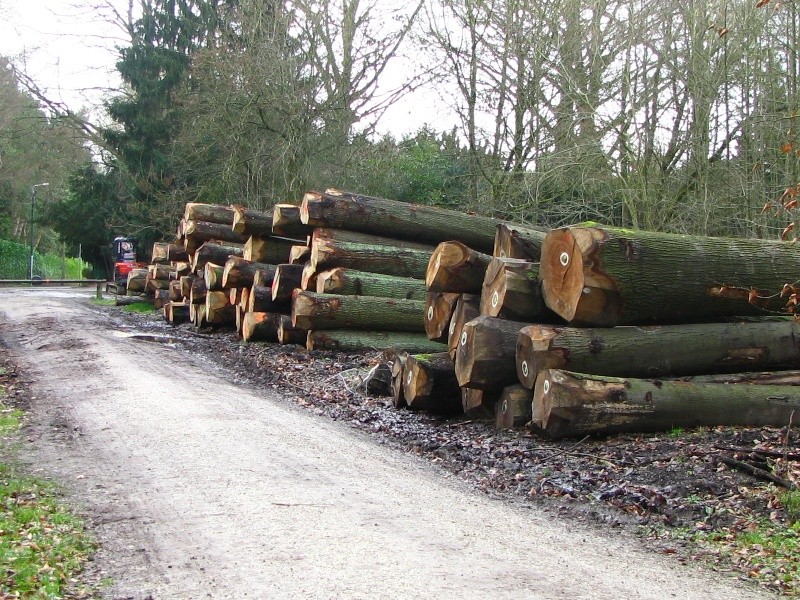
(15, 262)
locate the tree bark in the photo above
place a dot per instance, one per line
(198, 292)
(659, 351)
(299, 254)
(467, 308)
(398, 370)
(429, 383)
(286, 222)
(270, 250)
(177, 253)
(439, 309)
(511, 290)
(212, 274)
(517, 241)
(485, 354)
(239, 272)
(351, 282)
(260, 300)
(606, 276)
(215, 253)
(219, 310)
(288, 334)
(346, 340)
(178, 313)
(159, 271)
(197, 232)
(136, 280)
(248, 222)
(402, 220)
(454, 267)
(334, 311)
(567, 404)
(478, 404)
(160, 298)
(175, 294)
(265, 277)
(514, 407)
(287, 279)
(308, 281)
(197, 314)
(210, 213)
(260, 327)
(160, 253)
(381, 258)
(186, 285)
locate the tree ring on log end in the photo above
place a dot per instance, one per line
(504, 408)
(410, 378)
(545, 386)
(495, 299)
(430, 313)
(525, 369)
(464, 338)
(452, 326)
(564, 259)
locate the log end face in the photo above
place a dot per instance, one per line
(561, 272)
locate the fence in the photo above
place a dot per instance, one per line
(15, 263)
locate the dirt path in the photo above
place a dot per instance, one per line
(204, 488)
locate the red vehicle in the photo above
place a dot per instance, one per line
(124, 252)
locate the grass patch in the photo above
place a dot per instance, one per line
(104, 301)
(139, 307)
(791, 504)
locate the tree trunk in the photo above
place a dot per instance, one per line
(176, 253)
(346, 340)
(286, 222)
(212, 274)
(186, 285)
(175, 294)
(605, 276)
(198, 292)
(366, 239)
(197, 232)
(429, 383)
(239, 272)
(439, 309)
(181, 268)
(270, 250)
(478, 404)
(350, 282)
(160, 253)
(210, 213)
(160, 298)
(308, 281)
(398, 370)
(260, 327)
(299, 254)
(511, 290)
(467, 308)
(287, 279)
(485, 354)
(260, 300)
(265, 277)
(567, 404)
(454, 267)
(288, 334)
(517, 241)
(668, 350)
(219, 310)
(197, 314)
(391, 260)
(136, 280)
(159, 271)
(178, 313)
(248, 222)
(215, 253)
(402, 220)
(513, 408)
(334, 311)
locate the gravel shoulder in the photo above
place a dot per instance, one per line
(209, 469)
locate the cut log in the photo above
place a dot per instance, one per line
(197, 232)
(567, 404)
(215, 253)
(309, 279)
(181, 268)
(439, 308)
(514, 407)
(429, 383)
(286, 222)
(511, 290)
(478, 404)
(264, 277)
(160, 253)
(454, 267)
(260, 300)
(160, 299)
(606, 276)
(159, 271)
(518, 241)
(178, 313)
(351, 282)
(175, 294)
(210, 213)
(427, 224)
(270, 250)
(186, 285)
(346, 340)
(248, 222)
(288, 334)
(392, 260)
(299, 254)
(219, 310)
(485, 355)
(287, 279)
(136, 280)
(239, 272)
(212, 274)
(177, 253)
(151, 284)
(197, 314)
(198, 292)
(467, 308)
(356, 237)
(260, 327)
(334, 311)
(398, 369)
(668, 350)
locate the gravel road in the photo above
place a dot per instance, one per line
(202, 487)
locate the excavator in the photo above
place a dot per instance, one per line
(124, 253)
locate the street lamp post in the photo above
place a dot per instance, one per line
(33, 216)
